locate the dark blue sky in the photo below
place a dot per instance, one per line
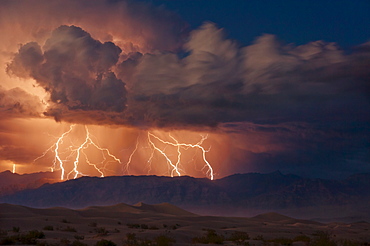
(345, 22)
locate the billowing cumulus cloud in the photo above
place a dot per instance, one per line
(18, 103)
(264, 82)
(216, 82)
(75, 69)
(135, 26)
(132, 26)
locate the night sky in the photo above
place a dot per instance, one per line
(254, 86)
(299, 22)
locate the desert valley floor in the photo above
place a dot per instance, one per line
(165, 224)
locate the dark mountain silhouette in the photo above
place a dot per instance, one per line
(239, 191)
(11, 183)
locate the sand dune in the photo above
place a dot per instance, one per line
(164, 208)
(273, 217)
(92, 224)
(109, 210)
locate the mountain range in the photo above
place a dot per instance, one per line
(238, 193)
(10, 182)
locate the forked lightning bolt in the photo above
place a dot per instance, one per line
(56, 151)
(176, 165)
(77, 151)
(132, 154)
(88, 141)
(77, 155)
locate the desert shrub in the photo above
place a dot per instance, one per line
(133, 226)
(144, 226)
(43, 243)
(347, 242)
(31, 237)
(7, 241)
(69, 229)
(93, 224)
(78, 243)
(239, 237)
(79, 237)
(131, 239)
(104, 242)
(174, 227)
(163, 240)
(101, 231)
(48, 228)
(28, 238)
(131, 236)
(36, 234)
(210, 237)
(65, 221)
(65, 241)
(16, 229)
(281, 241)
(322, 238)
(302, 238)
(259, 237)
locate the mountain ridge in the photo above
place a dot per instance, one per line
(252, 190)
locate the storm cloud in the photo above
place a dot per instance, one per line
(217, 81)
(16, 103)
(133, 25)
(75, 69)
(300, 109)
(266, 81)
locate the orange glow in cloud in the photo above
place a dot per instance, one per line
(78, 150)
(31, 145)
(35, 144)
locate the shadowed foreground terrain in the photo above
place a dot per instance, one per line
(165, 224)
